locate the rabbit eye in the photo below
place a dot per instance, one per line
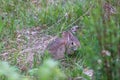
(72, 43)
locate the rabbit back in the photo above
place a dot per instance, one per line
(57, 48)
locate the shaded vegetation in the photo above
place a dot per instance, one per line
(99, 35)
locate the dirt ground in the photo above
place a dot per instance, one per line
(27, 43)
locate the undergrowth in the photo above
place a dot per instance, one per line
(99, 35)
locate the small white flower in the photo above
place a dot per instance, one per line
(106, 53)
(88, 72)
(99, 61)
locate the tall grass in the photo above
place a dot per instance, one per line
(99, 35)
(105, 30)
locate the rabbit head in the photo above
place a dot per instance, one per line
(72, 43)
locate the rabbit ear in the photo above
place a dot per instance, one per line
(66, 36)
(74, 29)
(70, 35)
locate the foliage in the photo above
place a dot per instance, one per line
(48, 70)
(104, 28)
(9, 73)
(99, 35)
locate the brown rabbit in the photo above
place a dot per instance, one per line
(67, 44)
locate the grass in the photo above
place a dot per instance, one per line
(97, 33)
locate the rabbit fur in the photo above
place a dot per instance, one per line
(68, 43)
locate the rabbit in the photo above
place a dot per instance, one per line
(68, 43)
